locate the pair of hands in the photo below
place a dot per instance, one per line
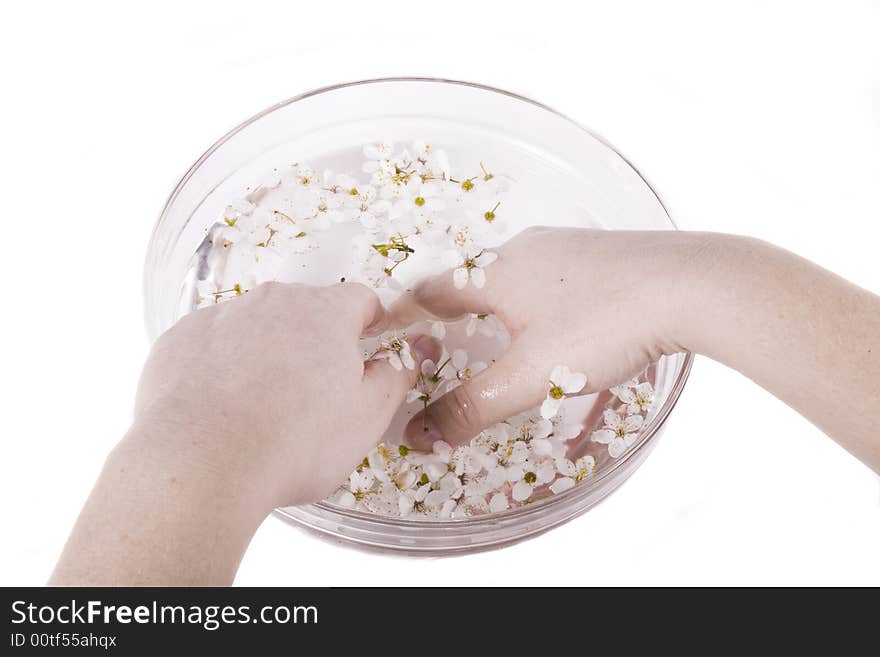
(273, 387)
(267, 401)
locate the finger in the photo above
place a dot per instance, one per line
(438, 298)
(385, 387)
(512, 385)
(371, 314)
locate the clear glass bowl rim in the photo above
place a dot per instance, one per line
(583, 490)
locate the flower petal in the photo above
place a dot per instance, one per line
(436, 497)
(550, 407)
(561, 485)
(541, 446)
(633, 423)
(545, 473)
(603, 436)
(521, 491)
(624, 394)
(542, 428)
(451, 259)
(346, 499)
(478, 277)
(574, 383)
(567, 430)
(612, 419)
(498, 503)
(460, 278)
(616, 447)
(442, 449)
(559, 374)
(566, 467)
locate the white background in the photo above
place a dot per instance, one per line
(760, 118)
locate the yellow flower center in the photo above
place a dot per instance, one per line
(419, 201)
(557, 392)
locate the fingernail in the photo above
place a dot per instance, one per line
(424, 347)
(422, 432)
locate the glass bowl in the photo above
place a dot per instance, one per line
(571, 177)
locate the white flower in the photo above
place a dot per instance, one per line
(396, 350)
(412, 499)
(484, 324)
(308, 178)
(637, 400)
(420, 198)
(426, 383)
(431, 163)
(534, 475)
(360, 484)
(619, 432)
(562, 382)
(438, 330)
(364, 206)
(462, 238)
(463, 371)
(376, 154)
(468, 268)
(485, 220)
(572, 473)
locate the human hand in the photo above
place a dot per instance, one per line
(273, 388)
(606, 303)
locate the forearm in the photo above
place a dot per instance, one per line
(158, 516)
(803, 333)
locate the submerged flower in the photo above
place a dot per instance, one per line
(377, 154)
(463, 371)
(482, 323)
(469, 268)
(572, 473)
(396, 350)
(562, 382)
(366, 207)
(619, 432)
(638, 397)
(534, 475)
(420, 197)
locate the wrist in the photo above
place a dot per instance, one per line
(200, 462)
(711, 276)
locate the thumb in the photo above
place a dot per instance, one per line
(512, 385)
(386, 386)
